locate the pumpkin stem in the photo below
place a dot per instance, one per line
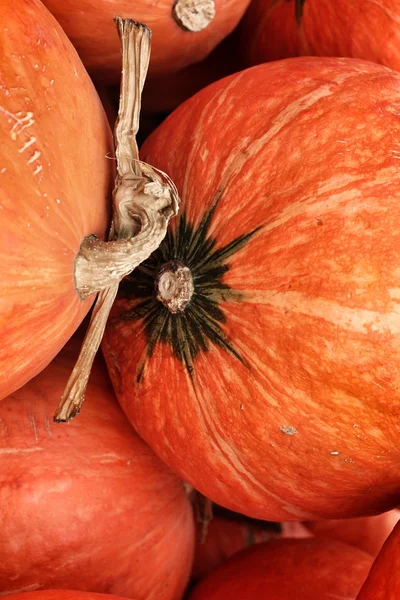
(144, 200)
(174, 286)
(193, 15)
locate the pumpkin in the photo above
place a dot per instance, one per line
(226, 536)
(275, 29)
(307, 569)
(367, 533)
(257, 351)
(87, 505)
(176, 87)
(383, 581)
(55, 178)
(184, 31)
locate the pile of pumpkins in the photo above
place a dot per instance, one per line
(273, 391)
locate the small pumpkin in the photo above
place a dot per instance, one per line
(276, 29)
(383, 581)
(55, 179)
(184, 31)
(257, 350)
(87, 505)
(308, 569)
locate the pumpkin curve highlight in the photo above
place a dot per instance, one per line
(87, 505)
(55, 181)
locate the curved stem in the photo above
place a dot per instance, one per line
(144, 201)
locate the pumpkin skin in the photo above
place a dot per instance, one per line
(309, 569)
(90, 26)
(358, 29)
(275, 392)
(383, 581)
(61, 595)
(55, 180)
(367, 533)
(87, 505)
(225, 537)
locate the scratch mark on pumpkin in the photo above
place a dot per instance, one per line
(34, 428)
(27, 144)
(19, 451)
(37, 170)
(47, 427)
(34, 157)
(22, 121)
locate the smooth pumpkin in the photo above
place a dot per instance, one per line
(87, 505)
(307, 569)
(383, 581)
(275, 29)
(257, 351)
(61, 595)
(226, 536)
(367, 533)
(55, 179)
(89, 24)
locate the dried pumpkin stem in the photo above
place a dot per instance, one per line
(193, 15)
(144, 200)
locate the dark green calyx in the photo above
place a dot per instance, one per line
(179, 290)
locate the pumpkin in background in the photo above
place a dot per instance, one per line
(61, 595)
(258, 350)
(226, 536)
(275, 29)
(165, 92)
(55, 180)
(308, 569)
(367, 533)
(183, 31)
(87, 505)
(383, 581)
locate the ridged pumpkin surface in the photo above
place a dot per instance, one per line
(276, 391)
(367, 29)
(55, 179)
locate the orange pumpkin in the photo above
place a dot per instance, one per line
(258, 350)
(308, 569)
(61, 595)
(183, 31)
(55, 179)
(367, 533)
(87, 505)
(275, 29)
(226, 536)
(383, 581)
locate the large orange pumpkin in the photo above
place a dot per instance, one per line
(383, 581)
(258, 350)
(55, 178)
(184, 31)
(87, 505)
(307, 569)
(274, 29)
